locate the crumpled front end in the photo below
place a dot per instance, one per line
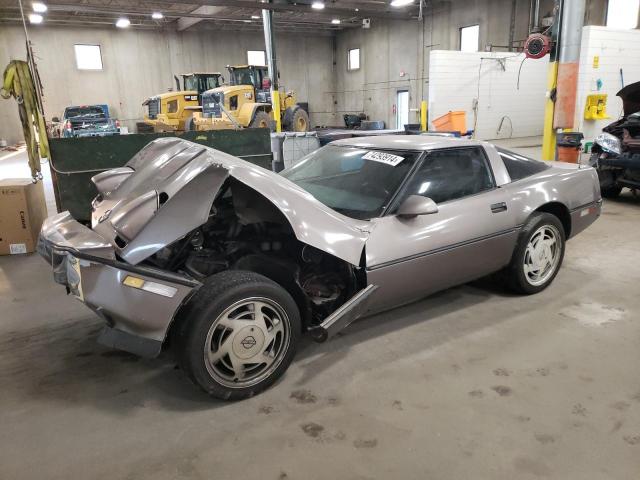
(137, 303)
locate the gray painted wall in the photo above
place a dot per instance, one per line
(140, 63)
(395, 54)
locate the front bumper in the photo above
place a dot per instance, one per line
(137, 320)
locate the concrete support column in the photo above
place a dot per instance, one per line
(567, 83)
(270, 47)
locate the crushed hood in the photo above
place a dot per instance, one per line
(167, 189)
(630, 96)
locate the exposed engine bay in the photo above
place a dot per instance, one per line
(245, 231)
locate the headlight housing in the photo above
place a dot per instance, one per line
(609, 143)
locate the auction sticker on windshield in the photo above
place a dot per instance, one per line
(383, 157)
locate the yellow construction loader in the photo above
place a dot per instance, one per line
(246, 102)
(169, 112)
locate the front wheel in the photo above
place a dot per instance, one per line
(261, 120)
(538, 254)
(608, 185)
(238, 335)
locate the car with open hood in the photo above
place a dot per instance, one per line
(616, 151)
(231, 263)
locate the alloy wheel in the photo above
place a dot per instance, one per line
(247, 342)
(542, 255)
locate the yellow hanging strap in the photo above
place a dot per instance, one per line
(18, 83)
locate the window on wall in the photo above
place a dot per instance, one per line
(353, 59)
(256, 57)
(622, 13)
(88, 57)
(469, 38)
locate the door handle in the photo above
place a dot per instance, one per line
(499, 207)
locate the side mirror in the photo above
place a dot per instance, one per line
(55, 120)
(415, 205)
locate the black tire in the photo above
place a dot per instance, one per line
(203, 315)
(261, 120)
(608, 186)
(188, 125)
(297, 120)
(516, 276)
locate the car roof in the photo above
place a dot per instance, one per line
(406, 142)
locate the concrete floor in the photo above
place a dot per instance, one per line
(470, 383)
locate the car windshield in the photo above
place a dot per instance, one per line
(356, 182)
(92, 112)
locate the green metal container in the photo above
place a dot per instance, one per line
(75, 160)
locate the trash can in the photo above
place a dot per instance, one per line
(569, 145)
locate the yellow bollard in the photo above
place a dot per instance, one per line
(275, 100)
(423, 115)
(549, 137)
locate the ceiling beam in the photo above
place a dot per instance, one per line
(133, 12)
(337, 8)
(186, 22)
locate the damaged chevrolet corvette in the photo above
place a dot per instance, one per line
(230, 263)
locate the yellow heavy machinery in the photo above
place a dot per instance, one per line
(246, 102)
(172, 111)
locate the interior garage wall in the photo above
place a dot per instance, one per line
(506, 107)
(617, 50)
(140, 63)
(395, 54)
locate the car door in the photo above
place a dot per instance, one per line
(471, 235)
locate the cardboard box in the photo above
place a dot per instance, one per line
(22, 211)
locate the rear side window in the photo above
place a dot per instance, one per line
(172, 106)
(451, 174)
(519, 167)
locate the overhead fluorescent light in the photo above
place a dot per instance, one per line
(401, 3)
(39, 7)
(317, 5)
(35, 18)
(255, 17)
(335, 21)
(246, 21)
(123, 23)
(157, 15)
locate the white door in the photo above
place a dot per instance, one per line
(402, 109)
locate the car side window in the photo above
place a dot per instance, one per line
(519, 166)
(451, 174)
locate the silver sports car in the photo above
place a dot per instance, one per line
(230, 263)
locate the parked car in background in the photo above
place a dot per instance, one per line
(233, 262)
(87, 121)
(616, 151)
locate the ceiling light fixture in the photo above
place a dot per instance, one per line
(255, 17)
(401, 3)
(335, 21)
(39, 7)
(157, 15)
(317, 5)
(123, 23)
(246, 21)
(35, 18)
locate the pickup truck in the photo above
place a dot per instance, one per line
(87, 121)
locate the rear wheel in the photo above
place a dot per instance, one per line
(261, 120)
(238, 335)
(538, 254)
(189, 125)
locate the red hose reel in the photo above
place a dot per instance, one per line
(537, 45)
